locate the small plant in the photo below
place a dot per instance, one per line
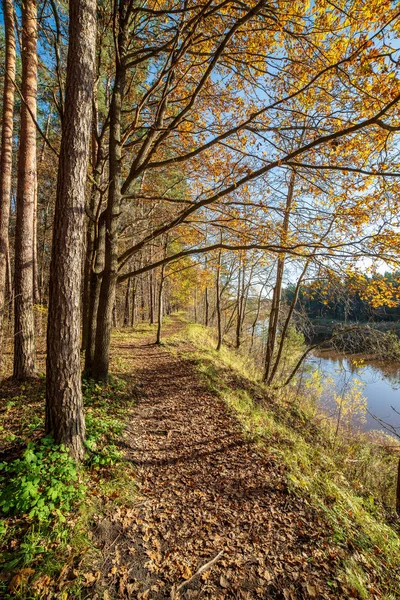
(44, 482)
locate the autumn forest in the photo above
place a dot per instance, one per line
(199, 200)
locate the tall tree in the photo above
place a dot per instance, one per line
(6, 151)
(24, 334)
(64, 408)
(110, 272)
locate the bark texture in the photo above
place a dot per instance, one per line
(6, 153)
(24, 333)
(64, 410)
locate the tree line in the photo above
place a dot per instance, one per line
(364, 298)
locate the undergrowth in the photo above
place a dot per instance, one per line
(348, 479)
(47, 502)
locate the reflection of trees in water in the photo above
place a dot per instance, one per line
(369, 370)
(338, 392)
(381, 381)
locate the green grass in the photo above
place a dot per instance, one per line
(284, 424)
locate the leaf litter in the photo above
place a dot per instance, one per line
(207, 492)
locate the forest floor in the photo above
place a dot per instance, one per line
(206, 492)
(182, 500)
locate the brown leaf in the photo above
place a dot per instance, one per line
(42, 582)
(223, 582)
(91, 578)
(312, 592)
(15, 583)
(19, 579)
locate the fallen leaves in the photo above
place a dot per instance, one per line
(20, 579)
(205, 488)
(91, 578)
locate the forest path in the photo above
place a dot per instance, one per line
(204, 489)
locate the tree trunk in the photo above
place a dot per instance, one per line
(94, 297)
(35, 269)
(254, 325)
(276, 298)
(10, 289)
(93, 263)
(24, 332)
(6, 154)
(287, 323)
(239, 307)
(142, 300)
(127, 309)
(160, 305)
(41, 259)
(133, 309)
(151, 303)
(64, 407)
(398, 490)
(110, 275)
(218, 294)
(96, 274)
(207, 308)
(114, 314)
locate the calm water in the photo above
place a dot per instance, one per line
(381, 384)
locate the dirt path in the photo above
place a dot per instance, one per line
(205, 489)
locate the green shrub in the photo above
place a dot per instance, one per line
(44, 482)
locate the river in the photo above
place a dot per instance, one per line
(380, 383)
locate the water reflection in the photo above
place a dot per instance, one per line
(381, 383)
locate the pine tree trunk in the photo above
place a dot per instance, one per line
(24, 332)
(64, 407)
(6, 155)
(35, 269)
(41, 256)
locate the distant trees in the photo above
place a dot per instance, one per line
(353, 298)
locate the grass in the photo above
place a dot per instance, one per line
(285, 425)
